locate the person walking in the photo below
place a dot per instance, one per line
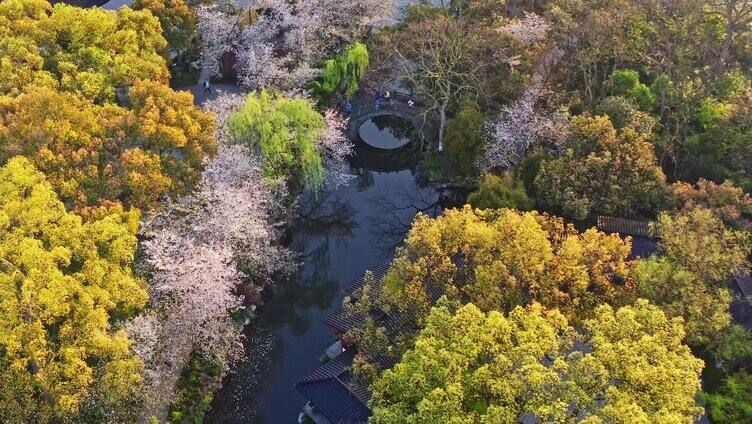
(387, 95)
(410, 103)
(207, 87)
(377, 98)
(348, 108)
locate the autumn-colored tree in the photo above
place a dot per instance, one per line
(171, 132)
(105, 152)
(472, 367)
(178, 20)
(691, 279)
(64, 280)
(729, 202)
(602, 171)
(87, 51)
(499, 259)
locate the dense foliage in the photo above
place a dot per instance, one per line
(341, 74)
(178, 20)
(602, 171)
(66, 67)
(733, 403)
(286, 131)
(465, 140)
(85, 51)
(472, 367)
(637, 109)
(66, 279)
(94, 152)
(500, 191)
(509, 258)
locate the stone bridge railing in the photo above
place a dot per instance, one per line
(364, 108)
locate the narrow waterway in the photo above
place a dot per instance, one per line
(340, 236)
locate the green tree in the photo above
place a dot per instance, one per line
(602, 171)
(680, 292)
(720, 145)
(65, 279)
(691, 279)
(471, 367)
(500, 191)
(465, 140)
(342, 74)
(733, 402)
(627, 83)
(698, 241)
(287, 132)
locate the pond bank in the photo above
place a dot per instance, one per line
(369, 218)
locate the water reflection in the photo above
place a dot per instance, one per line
(386, 131)
(340, 234)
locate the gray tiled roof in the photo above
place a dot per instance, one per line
(81, 3)
(625, 227)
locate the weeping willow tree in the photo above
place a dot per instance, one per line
(342, 73)
(286, 133)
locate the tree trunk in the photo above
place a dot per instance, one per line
(727, 42)
(442, 125)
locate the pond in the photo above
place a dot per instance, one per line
(386, 132)
(341, 235)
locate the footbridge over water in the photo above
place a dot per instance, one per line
(364, 107)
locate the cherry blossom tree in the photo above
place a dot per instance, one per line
(219, 31)
(334, 147)
(194, 252)
(521, 126)
(222, 107)
(280, 48)
(529, 30)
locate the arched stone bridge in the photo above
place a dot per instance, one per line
(364, 108)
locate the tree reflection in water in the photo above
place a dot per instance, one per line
(388, 225)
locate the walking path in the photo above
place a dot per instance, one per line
(217, 88)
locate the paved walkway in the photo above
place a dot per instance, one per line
(217, 89)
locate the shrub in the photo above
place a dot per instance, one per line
(464, 138)
(500, 191)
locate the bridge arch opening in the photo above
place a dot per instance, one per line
(388, 131)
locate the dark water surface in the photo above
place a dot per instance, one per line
(341, 235)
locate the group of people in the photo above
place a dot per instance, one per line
(379, 97)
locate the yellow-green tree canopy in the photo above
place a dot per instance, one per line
(64, 280)
(603, 171)
(287, 132)
(178, 20)
(470, 367)
(691, 279)
(509, 258)
(92, 152)
(87, 51)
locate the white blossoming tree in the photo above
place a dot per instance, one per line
(529, 30)
(194, 251)
(521, 126)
